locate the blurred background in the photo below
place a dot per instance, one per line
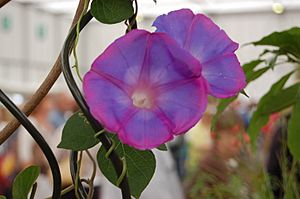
(31, 36)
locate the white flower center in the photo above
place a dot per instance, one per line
(141, 99)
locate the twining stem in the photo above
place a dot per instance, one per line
(78, 175)
(111, 149)
(76, 65)
(131, 22)
(91, 180)
(44, 88)
(99, 133)
(65, 191)
(123, 174)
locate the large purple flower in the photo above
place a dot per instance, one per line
(204, 40)
(146, 88)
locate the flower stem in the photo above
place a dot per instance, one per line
(76, 65)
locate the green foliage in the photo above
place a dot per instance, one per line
(286, 49)
(24, 182)
(247, 181)
(261, 115)
(162, 147)
(281, 100)
(223, 104)
(287, 41)
(112, 11)
(2, 197)
(140, 166)
(294, 130)
(77, 134)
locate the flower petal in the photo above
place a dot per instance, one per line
(108, 103)
(175, 24)
(168, 62)
(225, 76)
(165, 75)
(183, 105)
(201, 37)
(145, 130)
(123, 59)
(196, 33)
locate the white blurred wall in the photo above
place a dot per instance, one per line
(31, 43)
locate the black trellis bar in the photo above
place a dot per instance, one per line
(35, 134)
(117, 163)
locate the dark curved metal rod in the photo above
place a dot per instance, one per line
(117, 163)
(35, 134)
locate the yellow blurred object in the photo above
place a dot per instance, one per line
(8, 165)
(278, 8)
(199, 140)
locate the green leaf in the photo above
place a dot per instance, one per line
(251, 65)
(112, 11)
(253, 75)
(223, 104)
(287, 41)
(77, 134)
(261, 115)
(162, 147)
(243, 92)
(250, 76)
(2, 197)
(294, 130)
(281, 100)
(24, 181)
(140, 166)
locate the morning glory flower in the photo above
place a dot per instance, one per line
(146, 89)
(210, 45)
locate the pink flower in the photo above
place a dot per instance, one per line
(145, 88)
(149, 87)
(210, 45)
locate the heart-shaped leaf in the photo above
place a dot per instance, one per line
(24, 182)
(112, 11)
(78, 134)
(140, 166)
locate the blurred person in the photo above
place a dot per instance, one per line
(28, 151)
(165, 183)
(178, 149)
(8, 155)
(64, 106)
(284, 170)
(215, 168)
(199, 139)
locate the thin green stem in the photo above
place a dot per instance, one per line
(76, 65)
(65, 191)
(111, 149)
(78, 175)
(106, 143)
(99, 133)
(91, 181)
(123, 174)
